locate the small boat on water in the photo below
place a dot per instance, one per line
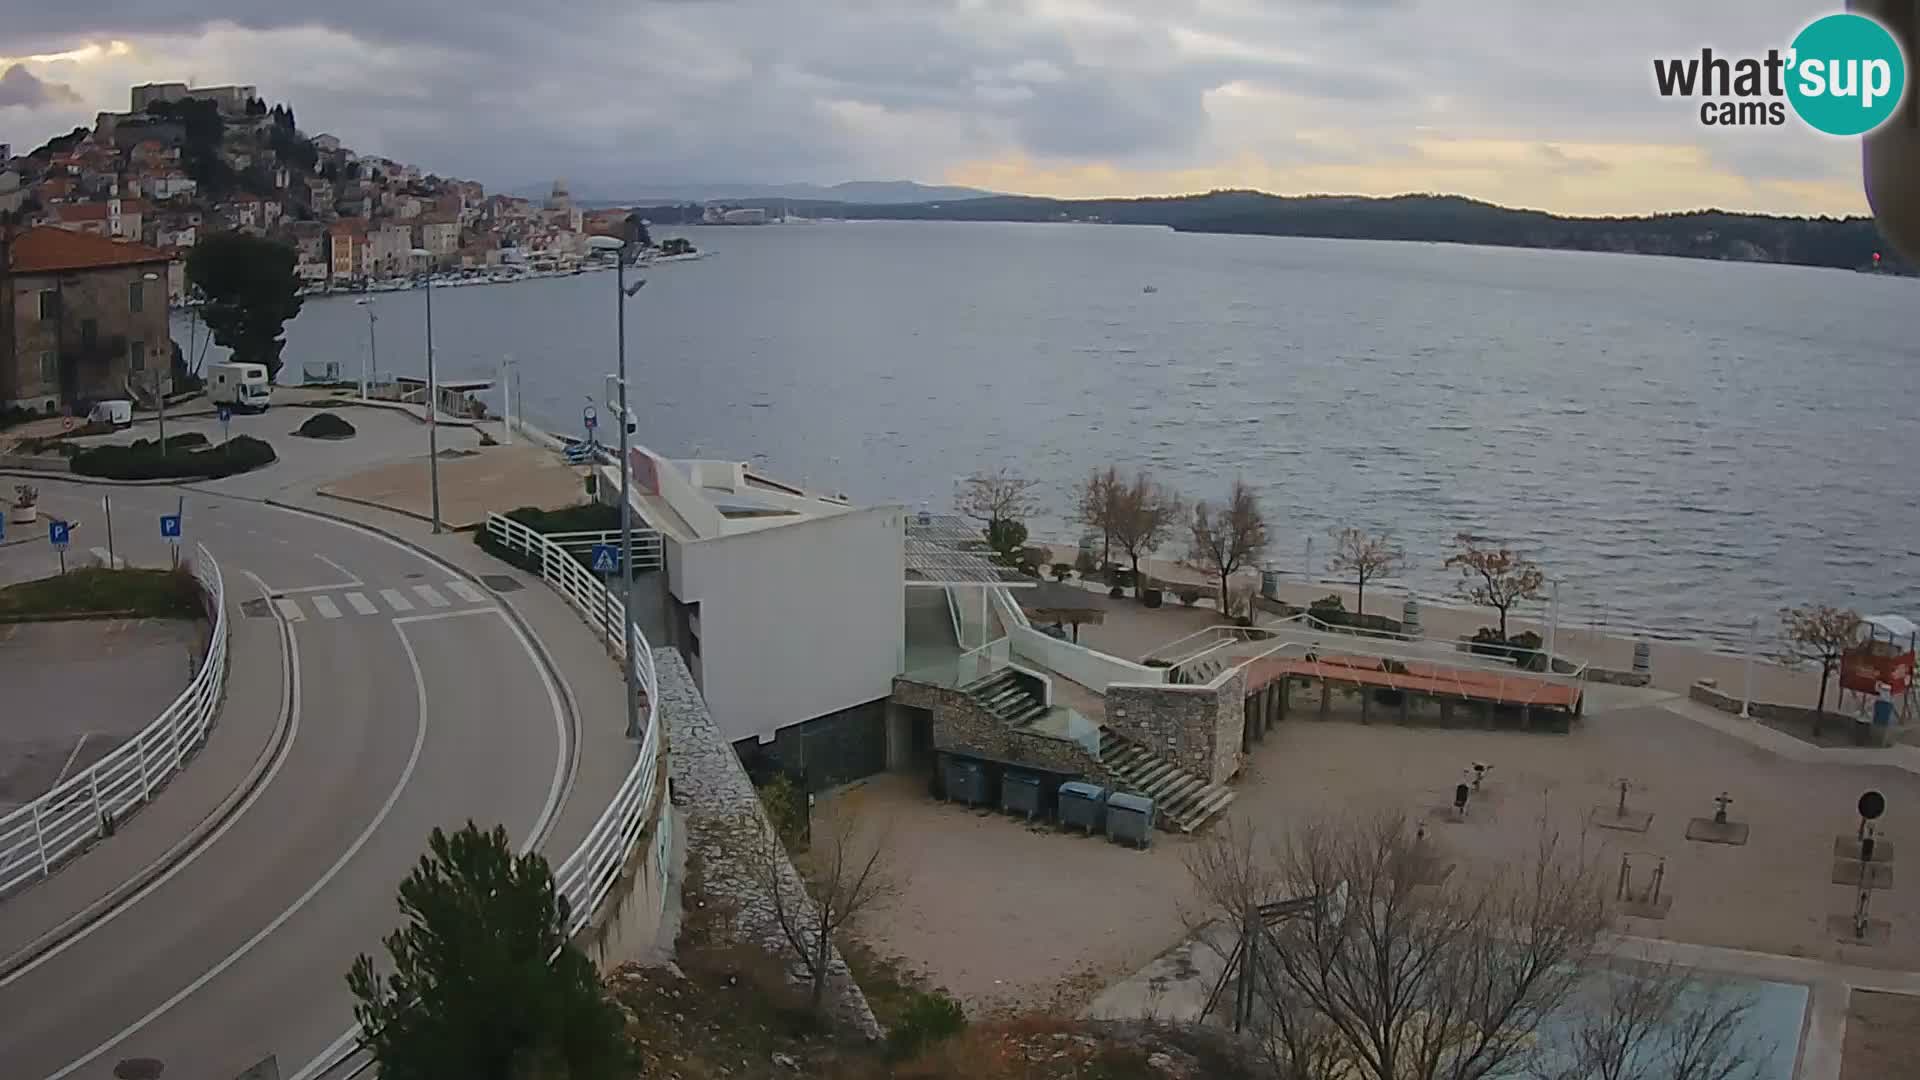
(1148, 289)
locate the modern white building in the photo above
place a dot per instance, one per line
(788, 605)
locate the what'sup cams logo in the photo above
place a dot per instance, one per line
(1844, 74)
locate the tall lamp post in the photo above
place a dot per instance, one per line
(433, 399)
(373, 346)
(622, 294)
(159, 373)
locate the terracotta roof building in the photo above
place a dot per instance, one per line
(82, 318)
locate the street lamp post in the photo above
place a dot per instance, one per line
(622, 294)
(433, 401)
(159, 374)
(508, 373)
(373, 347)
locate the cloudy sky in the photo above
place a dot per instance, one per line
(1546, 103)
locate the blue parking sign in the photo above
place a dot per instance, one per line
(606, 559)
(57, 532)
(170, 526)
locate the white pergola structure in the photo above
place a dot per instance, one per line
(946, 552)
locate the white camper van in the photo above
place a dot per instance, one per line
(243, 386)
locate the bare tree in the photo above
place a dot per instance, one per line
(1143, 517)
(1364, 556)
(1229, 539)
(1382, 974)
(847, 869)
(1494, 577)
(1093, 506)
(1821, 634)
(998, 495)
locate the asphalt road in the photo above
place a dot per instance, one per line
(418, 704)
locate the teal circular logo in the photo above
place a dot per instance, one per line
(1847, 74)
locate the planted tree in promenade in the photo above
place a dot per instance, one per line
(1822, 635)
(1001, 500)
(1364, 556)
(1143, 516)
(1227, 538)
(1494, 577)
(847, 869)
(1093, 506)
(1362, 953)
(484, 981)
(249, 292)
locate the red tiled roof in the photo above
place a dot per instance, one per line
(81, 211)
(45, 249)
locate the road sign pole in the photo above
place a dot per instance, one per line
(106, 507)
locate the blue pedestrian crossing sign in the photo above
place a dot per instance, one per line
(224, 413)
(57, 533)
(606, 559)
(170, 526)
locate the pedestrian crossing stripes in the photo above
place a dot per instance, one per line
(392, 601)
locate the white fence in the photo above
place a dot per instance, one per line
(89, 804)
(647, 554)
(590, 872)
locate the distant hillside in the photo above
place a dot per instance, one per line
(1847, 243)
(868, 192)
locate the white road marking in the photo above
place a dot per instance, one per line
(396, 600)
(431, 595)
(352, 579)
(291, 705)
(71, 758)
(323, 604)
(466, 592)
(438, 615)
(361, 604)
(234, 957)
(290, 609)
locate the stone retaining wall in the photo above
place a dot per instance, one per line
(1622, 678)
(724, 814)
(960, 724)
(1195, 727)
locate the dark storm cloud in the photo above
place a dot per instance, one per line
(18, 86)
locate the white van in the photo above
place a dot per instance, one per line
(118, 413)
(242, 386)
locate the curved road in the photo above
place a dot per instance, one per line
(414, 703)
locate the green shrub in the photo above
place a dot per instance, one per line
(185, 440)
(1086, 564)
(325, 425)
(1189, 597)
(153, 594)
(1062, 570)
(929, 1018)
(786, 807)
(144, 461)
(583, 517)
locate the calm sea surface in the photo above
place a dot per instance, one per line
(1686, 445)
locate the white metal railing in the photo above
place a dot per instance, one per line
(648, 554)
(92, 802)
(593, 868)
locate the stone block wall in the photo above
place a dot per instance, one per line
(1707, 693)
(723, 813)
(1195, 727)
(960, 724)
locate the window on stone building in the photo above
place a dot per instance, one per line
(49, 305)
(137, 355)
(89, 333)
(135, 300)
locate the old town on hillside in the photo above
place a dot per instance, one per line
(185, 161)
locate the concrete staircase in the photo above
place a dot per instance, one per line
(1199, 672)
(1009, 697)
(1183, 801)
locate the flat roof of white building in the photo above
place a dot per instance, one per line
(695, 499)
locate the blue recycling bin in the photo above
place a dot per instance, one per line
(1083, 806)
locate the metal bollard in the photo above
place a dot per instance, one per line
(1642, 657)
